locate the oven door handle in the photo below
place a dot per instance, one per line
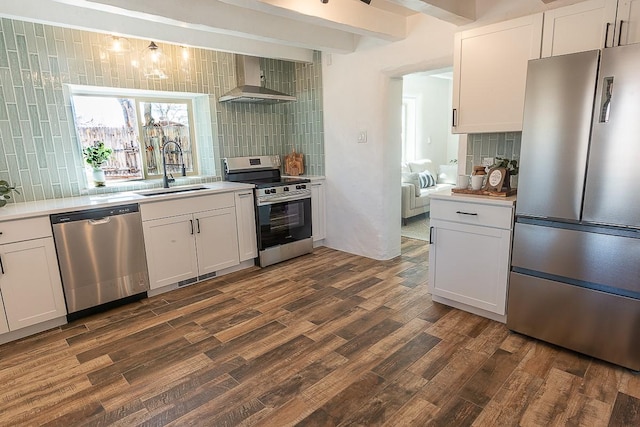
(273, 201)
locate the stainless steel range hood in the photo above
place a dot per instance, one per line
(249, 89)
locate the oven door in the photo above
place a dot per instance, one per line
(282, 222)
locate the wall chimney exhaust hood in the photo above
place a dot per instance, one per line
(249, 89)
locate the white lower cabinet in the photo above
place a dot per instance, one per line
(469, 256)
(171, 250)
(30, 282)
(198, 239)
(216, 240)
(246, 218)
(318, 210)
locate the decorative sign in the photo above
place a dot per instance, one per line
(495, 179)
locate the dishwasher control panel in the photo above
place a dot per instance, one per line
(94, 213)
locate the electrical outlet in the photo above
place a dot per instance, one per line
(488, 161)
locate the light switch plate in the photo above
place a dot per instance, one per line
(362, 136)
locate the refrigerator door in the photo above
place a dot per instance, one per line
(555, 136)
(613, 177)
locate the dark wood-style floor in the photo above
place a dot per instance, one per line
(324, 340)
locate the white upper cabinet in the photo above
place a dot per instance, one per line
(579, 27)
(489, 72)
(588, 25)
(628, 24)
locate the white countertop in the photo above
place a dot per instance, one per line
(310, 177)
(472, 198)
(46, 207)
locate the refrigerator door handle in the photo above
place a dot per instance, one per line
(431, 235)
(606, 34)
(605, 99)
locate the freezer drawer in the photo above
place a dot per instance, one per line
(588, 321)
(604, 261)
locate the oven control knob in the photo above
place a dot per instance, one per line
(273, 191)
(297, 187)
(303, 186)
(285, 189)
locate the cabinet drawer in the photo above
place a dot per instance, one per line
(25, 229)
(472, 213)
(187, 205)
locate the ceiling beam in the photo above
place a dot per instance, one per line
(458, 12)
(66, 15)
(220, 18)
(350, 16)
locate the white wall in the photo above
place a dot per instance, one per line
(433, 134)
(363, 180)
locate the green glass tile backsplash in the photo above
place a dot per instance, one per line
(38, 145)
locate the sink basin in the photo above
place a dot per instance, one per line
(173, 190)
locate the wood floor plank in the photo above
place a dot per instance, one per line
(382, 407)
(486, 382)
(552, 400)
(329, 338)
(343, 404)
(626, 411)
(513, 398)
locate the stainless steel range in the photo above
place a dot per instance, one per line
(283, 207)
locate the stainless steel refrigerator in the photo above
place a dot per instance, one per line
(575, 278)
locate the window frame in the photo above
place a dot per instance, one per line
(192, 131)
(138, 96)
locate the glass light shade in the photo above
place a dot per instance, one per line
(154, 62)
(118, 45)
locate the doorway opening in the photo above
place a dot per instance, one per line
(429, 149)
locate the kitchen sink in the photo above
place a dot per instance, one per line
(172, 190)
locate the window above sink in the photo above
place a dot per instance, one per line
(136, 124)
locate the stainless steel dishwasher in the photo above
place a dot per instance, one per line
(101, 257)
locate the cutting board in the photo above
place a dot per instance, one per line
(294, 164)
(507, 193)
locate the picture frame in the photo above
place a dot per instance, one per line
(495, 179)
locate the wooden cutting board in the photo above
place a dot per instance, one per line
(508, 193)
(294, 164)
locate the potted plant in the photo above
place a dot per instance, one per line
(95, 155)
(5, 189)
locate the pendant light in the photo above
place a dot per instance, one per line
(118, 45)
(154, 62)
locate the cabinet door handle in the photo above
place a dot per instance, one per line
(620, 33)
(198, 224)
(244, 194)
(606, 33)
(454, 117)
(1, 266)
(431, 235)
(191, 222)
(467, 213)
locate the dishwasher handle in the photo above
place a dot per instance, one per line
(100, 221)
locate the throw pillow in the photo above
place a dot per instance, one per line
(414, 179)
(426, 179)
(420, 165)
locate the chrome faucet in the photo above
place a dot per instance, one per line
(165, 179)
